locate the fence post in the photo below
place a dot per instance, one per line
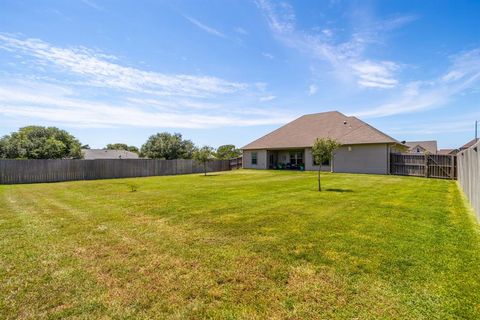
(425, 156)
(452, 168)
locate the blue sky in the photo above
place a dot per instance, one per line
(230, 71)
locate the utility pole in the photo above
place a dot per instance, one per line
(476, 130)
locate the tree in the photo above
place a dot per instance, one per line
(167, 146)
(227, 151)
(203, 155)
(133, 149)
(36, 142)
(322, 151)
(121, 146)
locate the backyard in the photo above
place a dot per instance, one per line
(239, 245)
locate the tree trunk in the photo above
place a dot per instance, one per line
(319, 186)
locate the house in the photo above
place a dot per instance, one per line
(447, 151)
(422, 147)
(455, 151)
(468, 144)
(364, 149)
(92, 154)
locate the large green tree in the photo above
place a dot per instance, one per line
(167, 146)
(227, 151)
(36, 142)
(122, 146)
(322, 152)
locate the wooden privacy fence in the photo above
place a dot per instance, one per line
(424, 165)
(33, 171)
(236, 163)
(469, 175)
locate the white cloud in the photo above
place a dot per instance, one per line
(435, 127)
(346, 58)
(312, 89)
(100, 70)
(93, 5)
(463, 74)
(240, 30)
(83, 87)
(267, 98)
(267, 55)
(204, 27)
(53, 103)
(327, 32)
(280, 16)
(375, 74)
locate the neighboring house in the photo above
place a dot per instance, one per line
(422, 147)
(447, 151)
(468, 144)
(364, 149)
(92, 154)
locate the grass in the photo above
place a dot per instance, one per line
(239, 245)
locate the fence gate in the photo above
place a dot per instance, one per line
(424, 165)
(236, 163)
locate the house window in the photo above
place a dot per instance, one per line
(324, 163)
(296, 158)
(418, 150)
(254, 158)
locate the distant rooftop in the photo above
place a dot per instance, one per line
(92, 154)
(447, 151)
(468, 144)
(429, 145)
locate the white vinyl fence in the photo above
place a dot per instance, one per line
(469, 175)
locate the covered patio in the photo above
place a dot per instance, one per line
(293, 159)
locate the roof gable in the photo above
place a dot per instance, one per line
(303, 131)
(430, 145)
(447, 151)
(469, 144)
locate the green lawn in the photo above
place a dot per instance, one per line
(239, 245)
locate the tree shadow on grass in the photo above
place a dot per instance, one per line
(209, 175)
(338, 190)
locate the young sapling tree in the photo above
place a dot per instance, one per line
(322, 151)
(203, 155)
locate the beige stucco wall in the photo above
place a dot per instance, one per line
(261, 159)
(365, 158)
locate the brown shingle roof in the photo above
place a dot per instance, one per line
(91, 154)
(468, 144)
(303, 131)
(430, 146)
(447, 151)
